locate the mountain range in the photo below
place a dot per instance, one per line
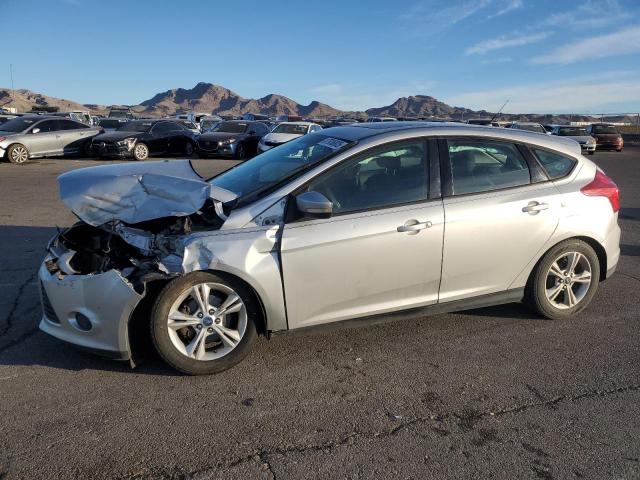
(210, 98)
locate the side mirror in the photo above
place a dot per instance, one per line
(314, 204)
(35, 130)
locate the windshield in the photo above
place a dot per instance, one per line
(19, 124)
(604, 129)
(110, 123)
(572, 132)
(274, 166)
(135, 127)
(531, 128)
(231, 127)
(208, 124)
(291, 128)
(119, 114)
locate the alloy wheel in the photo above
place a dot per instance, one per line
(19, 154)
(141, 151)
(207, 321)
(568, 280)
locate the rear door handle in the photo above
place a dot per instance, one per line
(534, 207)
(413, 226)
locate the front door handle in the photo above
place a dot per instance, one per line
(534, 207)
(413, 226)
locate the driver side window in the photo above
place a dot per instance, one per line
(393, 175)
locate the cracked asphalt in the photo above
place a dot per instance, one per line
(489, 393)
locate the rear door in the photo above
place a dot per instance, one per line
(499, 213)
(47, 140)
(380, 251)
(73, 135)
(160, 137)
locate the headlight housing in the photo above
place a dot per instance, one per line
(127, 142)
(227, 142)
(591, 140)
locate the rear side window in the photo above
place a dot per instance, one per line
(485, 165)
(48, 126)
(68, 125)
(555, 164)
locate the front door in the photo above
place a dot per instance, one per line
(47, 140)
(380, 251)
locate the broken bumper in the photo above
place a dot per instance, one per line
(89, 311)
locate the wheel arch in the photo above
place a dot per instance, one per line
(592, 242)
(14, 144)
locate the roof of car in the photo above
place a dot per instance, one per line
(297, 123)
(360, 131)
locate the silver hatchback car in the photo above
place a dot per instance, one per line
(365, 222)
(33, 136)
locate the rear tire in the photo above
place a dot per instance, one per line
(18, 154)
(188, 149)
(213, 339)
(564, 281)
(140, 152)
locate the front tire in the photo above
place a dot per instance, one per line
(564, 281)
(188, 149)
(241, 153)
(204, 323)
(140, 152)
(18, 154)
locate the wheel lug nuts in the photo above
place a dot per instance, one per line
(211, 312)
(217, 320)
(210, 330)
(199, 327)
(200, 315)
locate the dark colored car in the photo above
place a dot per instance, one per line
(607, 136)
(139, 139)
(235, 138)
(111, 124)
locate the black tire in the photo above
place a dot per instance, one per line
(591, 152)
(241, 152)
(18, 154)
(140, 151)
(536, 290)
(189, 148)
(86, 150)
(160, 330)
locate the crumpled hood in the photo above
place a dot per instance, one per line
(137, 192)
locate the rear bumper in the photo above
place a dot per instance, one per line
(106, 300)
(612, 248)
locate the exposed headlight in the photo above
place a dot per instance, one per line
(127, 142)
(227, 142)
(591, 140)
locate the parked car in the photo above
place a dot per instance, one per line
(111, 124)
(529, 127)
(33, 136)
(139, 139)
(381, 119)
(209, 122)
(5, 117)
(503, 216)
(579, 134)
(483, 121)
(288, 118)
(233, 138)
(607, 136)
(189, 125)
(285, 132)
(121, 112)
(254, 117)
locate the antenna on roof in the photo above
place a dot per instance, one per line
(498, 112)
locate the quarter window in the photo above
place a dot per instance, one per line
(485, 165)
(68, 125)
(392, 176)
(48, 126)
(555, 164)
(163, 127)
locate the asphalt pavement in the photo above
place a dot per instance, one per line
(489, 393)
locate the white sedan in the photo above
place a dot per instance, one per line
(286, 132)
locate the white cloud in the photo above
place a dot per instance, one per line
(590, 14)
(329, 89)
(509, 6)
(555, 97)
(431, 16)
(505, 42)
(622, 42)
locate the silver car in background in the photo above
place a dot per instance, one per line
(364, 222)
(579, 134)
(33, 136)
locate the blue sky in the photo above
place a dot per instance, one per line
(542, 55)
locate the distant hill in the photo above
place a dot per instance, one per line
(210, 98)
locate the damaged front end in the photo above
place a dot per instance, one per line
(136, 228)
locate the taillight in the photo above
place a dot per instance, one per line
(2, 139)
(603, 186)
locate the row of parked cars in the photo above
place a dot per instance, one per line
(33, 136)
